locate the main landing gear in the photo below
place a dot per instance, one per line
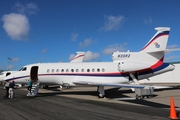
(101, 92)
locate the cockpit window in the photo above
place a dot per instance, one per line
(23, 69)
(8, 73)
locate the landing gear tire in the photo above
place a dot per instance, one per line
(101, 96)
(139, 97)
(44, 86)
(149, 96)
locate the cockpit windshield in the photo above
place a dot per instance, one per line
(23, 69)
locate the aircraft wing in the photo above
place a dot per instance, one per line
(109, 84)
(120, 85)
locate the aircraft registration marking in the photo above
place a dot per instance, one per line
(124, 56)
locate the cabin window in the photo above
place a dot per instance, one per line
(52, 70)
(82, 70)
(77, 70)
(98, 70)
(103, 70)
(62, 70)
(57, 70)
(72, 70)
(67, 70)
(88, 70)
(48, 70)
(93, 70)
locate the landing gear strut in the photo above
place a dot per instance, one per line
(100, 89)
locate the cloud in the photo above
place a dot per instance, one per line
(44, 50)
(86, 43)
(41, 59)
(30, 8)
(74, 36)
(113, 48)
(90, 56)
(169, 58)
(112, 23)
(16, 26)
(148, 21)
(172, 46)
(71, 56)
(9, 67)
(15, 59)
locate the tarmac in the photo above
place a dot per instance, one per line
(82, 103)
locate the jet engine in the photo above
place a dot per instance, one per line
(131, 66)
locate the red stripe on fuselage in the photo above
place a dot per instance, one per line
(159, 63)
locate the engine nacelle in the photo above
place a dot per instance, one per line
(131, 66)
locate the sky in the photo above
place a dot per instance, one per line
(34, 31)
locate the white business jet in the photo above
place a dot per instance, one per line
(146, 63)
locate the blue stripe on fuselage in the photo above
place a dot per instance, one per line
(164, 65)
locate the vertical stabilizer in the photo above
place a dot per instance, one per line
(158, 42)
(79, 57)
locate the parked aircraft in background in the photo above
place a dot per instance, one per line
(132, 66)
(5, 73)
(79, 57)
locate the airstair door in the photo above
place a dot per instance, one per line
(34, 73)
(34, 77)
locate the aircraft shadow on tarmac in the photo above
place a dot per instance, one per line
(111, 94)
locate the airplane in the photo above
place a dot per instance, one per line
(144, 64)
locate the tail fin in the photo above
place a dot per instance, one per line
(158, 42)
(79, 57)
